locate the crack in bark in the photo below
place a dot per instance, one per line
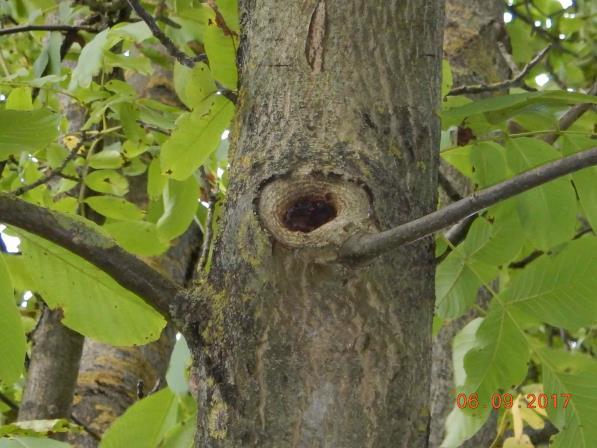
(315, 37)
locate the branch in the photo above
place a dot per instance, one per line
(82, 238)
(517, 79)
(8, 402)
(173, 50)
(65, 28)
(507, 58)
(164, 40)
(363, 247)
(51, 174)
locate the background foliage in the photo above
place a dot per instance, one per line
(534, 257)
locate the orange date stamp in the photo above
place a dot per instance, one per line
(506, 401)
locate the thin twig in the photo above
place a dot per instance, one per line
(172, 49)
(50, 174)
(8, 402)
(515, 80)
(367, 246)
(64, 28)
(207, 235)
(508, 58)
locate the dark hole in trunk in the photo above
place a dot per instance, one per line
(308, 213)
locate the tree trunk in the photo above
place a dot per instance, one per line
(52, 373)
(337, 132)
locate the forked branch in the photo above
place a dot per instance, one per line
(517, 79)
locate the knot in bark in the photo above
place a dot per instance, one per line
(313, 210)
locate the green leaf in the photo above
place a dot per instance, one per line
(31, 442)
(133, 149)
(229, 9)
(193, 85)
(180, 204)
(574, 374)
(180, 361)
(20, 98)
(464, 341)
(182, 435)
(155, 181)
(134, 167)
(460, 275)
(137, 31)
(129, 115)
(489, 161)
(90, 61)
(145, 423)
(221, 53)
(456, 286)
(26, 130)
(460, 425)
(196, 137)
(138, 237)
(562, 289)
(115, 208)
(498, 108)
(506, 237)
(460, 158)
(584, 180)
(107, 181)
(13, 344)
(446, 77)
(106, 159)
(499, 358)
(139, 64)
(93, 303)
(547, 213)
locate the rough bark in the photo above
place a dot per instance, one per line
(473, 28)
(337, 132)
